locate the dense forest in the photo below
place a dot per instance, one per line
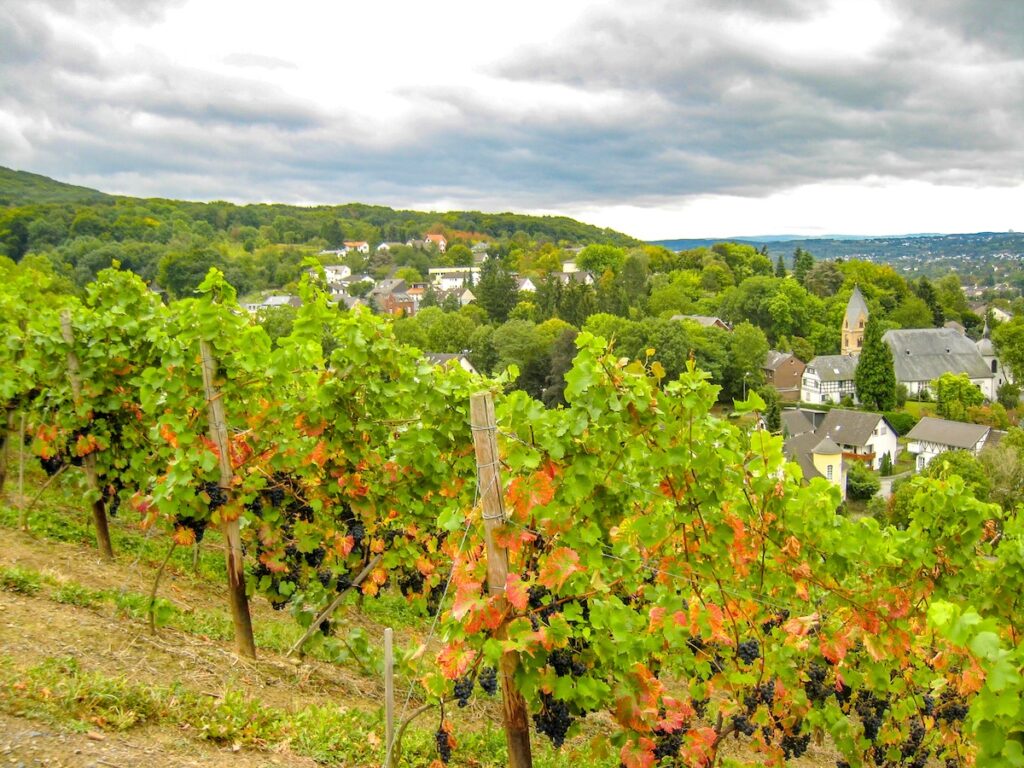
(81, 231)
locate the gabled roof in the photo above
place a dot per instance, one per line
(795, 422)
(833, 367)
(855, 307)
(851, 427)
(955, 434)
(705, 320)
(924, 354)
(799, 449)
(775, 359)
(827, 447)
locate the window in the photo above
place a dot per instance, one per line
(828, 471)
(995, 366)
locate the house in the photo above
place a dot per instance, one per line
(828, 379)
(861, 435)
(526, 284)
(784, 371)
(576, 276)
(921, 355)
(931, 436)
(854, 320)
(273, 302)
(987, 350)
(705, 321)
(955, 326)
(799, 421)
(438, 241)
(442, 359)
(361, 246)
(1000, 315)
(818, 456)
(388, 247)
(449, 278)
(336, 273)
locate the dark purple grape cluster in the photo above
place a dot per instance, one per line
(343, 583)
(951, 707)
(325, 627)
(324, 577)
(464, 689)
(357, 531)
(666, 745)
(444, 745)
(553, 720)
(777, 620)
(51, 465)
(794, 745)
(411, 583)
(198, 527)
(315, 558)
(741, 723)
(218, 496)
(815, 687)
(561, 661)
(488, 680)
(870, 709)
(749, 651)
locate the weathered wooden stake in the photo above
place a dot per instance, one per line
(5, 446)
(389, 695)
(245, 644)
(517, 724)
(99, 512)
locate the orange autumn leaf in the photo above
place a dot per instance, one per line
(318, 455)
(558, 567)
(516, 592)
(168, 434)
(638, 754)
(525, 493)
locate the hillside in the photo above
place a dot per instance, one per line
(356, 221)
(24, 188)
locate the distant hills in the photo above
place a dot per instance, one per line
(357, 220)
(884, 249)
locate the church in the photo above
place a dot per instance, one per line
(920, 355)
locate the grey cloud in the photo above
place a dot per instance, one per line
(702, 113)
(258, 60)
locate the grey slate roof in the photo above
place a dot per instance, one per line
(774, 359)
(827, 447)
(924, 354)
(705, 320)
(799, 449)
(850, 427)
(795, 422)
(834, 367)
(956, 434)
(855, 307)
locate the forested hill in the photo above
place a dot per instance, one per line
(296, 224)
(24, 188)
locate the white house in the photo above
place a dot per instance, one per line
(526, 284)
(862, 435)
(828, 379)
(932, 436)
(448, 278)
(335, 273)
(442, 359)
(438, 241)
(357, 245)
(921, 355)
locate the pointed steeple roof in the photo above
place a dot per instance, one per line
(855, 308)
(827, 448)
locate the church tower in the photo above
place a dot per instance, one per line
(854, 320)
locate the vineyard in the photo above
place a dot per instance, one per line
(629, 577)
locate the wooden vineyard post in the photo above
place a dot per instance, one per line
(99, 512)
(244, 642)
(517, 724)
(389, 696)
(5, 446)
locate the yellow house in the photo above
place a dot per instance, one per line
(828, 460)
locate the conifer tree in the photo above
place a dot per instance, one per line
(875, 378)
(780, 267)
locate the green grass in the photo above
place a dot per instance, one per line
(59, 692)
(919, 408)
(20, 580)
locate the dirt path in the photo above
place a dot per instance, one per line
(28, 744)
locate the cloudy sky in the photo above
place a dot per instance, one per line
(661, 118)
